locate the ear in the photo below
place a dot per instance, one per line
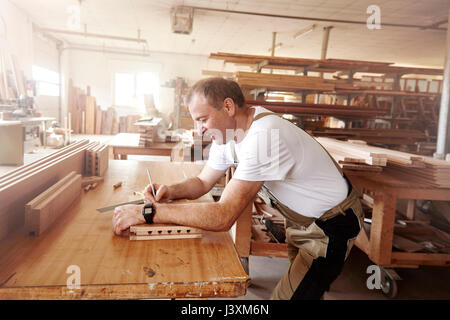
(229, 107)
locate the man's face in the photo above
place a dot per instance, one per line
(210, 122)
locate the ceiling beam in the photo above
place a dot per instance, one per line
(93, 35)
(384, 24)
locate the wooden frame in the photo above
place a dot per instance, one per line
(378, 245)
(125, 144)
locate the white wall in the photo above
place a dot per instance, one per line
(16, 35)
(17, 39)
(97, 70)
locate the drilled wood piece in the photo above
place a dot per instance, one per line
(163, 231)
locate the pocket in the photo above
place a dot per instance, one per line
(344, 227)
(311, 239)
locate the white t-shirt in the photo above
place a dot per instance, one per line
(293, 166)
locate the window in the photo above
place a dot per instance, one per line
(47, 81)
(130, 88)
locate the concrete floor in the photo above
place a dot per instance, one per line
(422, 283)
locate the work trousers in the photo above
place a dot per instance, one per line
(317, 253)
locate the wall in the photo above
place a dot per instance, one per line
(97, 70)
(17, 39)
(16, 35)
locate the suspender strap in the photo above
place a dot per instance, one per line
(292, 215)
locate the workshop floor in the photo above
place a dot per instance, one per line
(422, 283)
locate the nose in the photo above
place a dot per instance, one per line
(200, 128)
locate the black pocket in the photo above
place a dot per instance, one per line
(343, 227)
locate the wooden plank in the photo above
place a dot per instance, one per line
(44, 214)
(14, 196)
(98, 120)
(101, 160)
(90, 115)
(268, 249)
(26, 170)
(49, 191)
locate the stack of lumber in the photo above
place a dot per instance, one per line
(420, 236)
(382, 136)
(279, 82)
(318, 65)
(302, 109)
(148, 129)
(42, 211)
(12, 79)
(96, 159)
(86, 117)
(357, 155)
(23, 184)
(127, 123)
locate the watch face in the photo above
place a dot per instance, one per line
(148, 210)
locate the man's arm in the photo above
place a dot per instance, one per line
(215, 216)
(194, 188)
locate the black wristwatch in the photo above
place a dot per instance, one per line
(148, 211)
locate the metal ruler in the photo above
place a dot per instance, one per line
(140, 201)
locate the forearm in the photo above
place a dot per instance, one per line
(191, 188)
(211, 216)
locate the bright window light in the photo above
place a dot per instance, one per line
(130, 88)
(47, 81)
(124, 89)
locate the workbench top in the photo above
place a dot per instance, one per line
(82, 242)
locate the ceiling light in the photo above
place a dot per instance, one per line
(304, 31)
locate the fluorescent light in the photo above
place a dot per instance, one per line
(304, 31)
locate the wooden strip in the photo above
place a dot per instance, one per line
(46, 212)
(16, 172)
(165, 237)
(90, 114)
(14, 196)
(161, 232)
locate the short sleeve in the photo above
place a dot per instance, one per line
(218, 158)
(264, 157)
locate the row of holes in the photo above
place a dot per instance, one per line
(168, 231)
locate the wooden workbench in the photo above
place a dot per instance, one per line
(114, 267)
(124, 144)
(386, 191)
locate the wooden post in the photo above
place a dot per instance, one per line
(410, 209)
(382, 229)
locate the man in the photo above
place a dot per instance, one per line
(322, 210)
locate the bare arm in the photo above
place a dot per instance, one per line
(191, 188)
(213, 216)
(217, 216)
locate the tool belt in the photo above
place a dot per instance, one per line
(297, 219)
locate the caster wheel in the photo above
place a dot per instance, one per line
(389, 287)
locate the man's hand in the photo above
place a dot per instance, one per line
(162, 193)
(126, 216)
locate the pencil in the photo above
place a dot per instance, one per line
(151, 183)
